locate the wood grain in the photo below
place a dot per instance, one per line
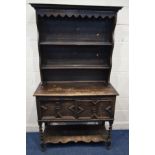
(65, 134)
(75, 89)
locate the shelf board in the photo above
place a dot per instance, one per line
(74, 67)
(75, 64)
(75, 43)
(80, 133)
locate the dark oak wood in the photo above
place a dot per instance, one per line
(76, 108)
(70, 42)
(75, 97)
(77, 88)
(74, 133)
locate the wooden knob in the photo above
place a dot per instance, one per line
(97, 34)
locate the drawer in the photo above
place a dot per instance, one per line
(81, 109)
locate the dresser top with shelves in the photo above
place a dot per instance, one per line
(75, 49)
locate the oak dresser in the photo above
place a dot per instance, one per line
(75, 98)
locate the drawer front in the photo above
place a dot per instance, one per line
(77, 109)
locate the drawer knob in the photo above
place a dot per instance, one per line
(97, 34)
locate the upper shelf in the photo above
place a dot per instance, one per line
(75, 43)
(75, 64)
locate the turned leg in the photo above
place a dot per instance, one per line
(108, 142)
(103, 123)
(41, 136)
(46, 124)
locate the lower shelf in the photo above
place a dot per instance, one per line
(82, 133)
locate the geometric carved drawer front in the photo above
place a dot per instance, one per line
(77, 109)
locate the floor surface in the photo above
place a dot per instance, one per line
(120, 146)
